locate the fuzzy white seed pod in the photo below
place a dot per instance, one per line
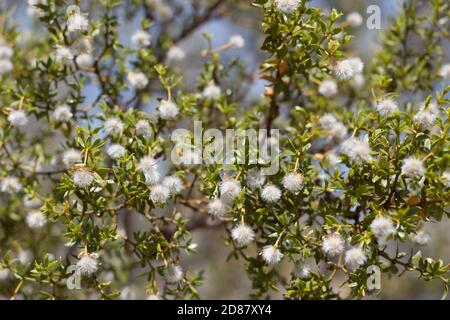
(63, 55)
(159, 193)
(255, 178)
(293, 182)
(287, 6)
(217, 207)
(357, 65)
(421, 237)
(357, 151)
(413, 168)
(115, 151)
(237, 41)
(30, 201)
(175, 273)
(82, 177)
(88, 264)
(113, 126)
(271, 254)
(176, 54)
(354, 19)
(425, 119)
(33, 11)
(10, 185)
(143, 128)
(35, 219)
(4, 274)
(387, 107)
(355, 258)
(71, 157)
(446, 178)
(151, 168)
(305, 272)
(85, 61)
(167, 110)
(358, 81)
(230, 188)
(76, 21)
(212, 91)
(445, 71)
(137, 79)
(382, 228)
(335, 128)
(5, 67)
(242, 234)
(63, 113)
(344, 69)
(328, 88)
(18, 119)
(174, 183)
(427, 116)
(271, 193)
(333, 245)
(141, 38)
(6, 52)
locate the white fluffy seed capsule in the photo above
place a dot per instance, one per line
(333, 245)
(175, 273)
(212, 92)
(354, 258)
(85, 61)
(167, 110)
(216, 207)
(115, 151)
(18, 118)
(344, 70)
(71, 156)
(421, 237)
(328, 88)
(287, 6)
(10, 185)
(143, 128)
(255, 178)
(413, 168)
(63, 55)
(159, 193)
(63, 113)
(242, 234)
(348, 68)
(445, 71)
(230, 188)
(141, 38)
(113, 126)
(152, 169)
(271, 255)
(387, 107)
(293, 182)
(357, 151)
(382, 228)
(88, 264)
(354, 19)
(176, 54)
(271, 193)
(76, 21)
(174, 183)
(237, 41)
(36, 219)
(137, 80)
(82, 177)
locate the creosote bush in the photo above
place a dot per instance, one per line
(363, 150)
